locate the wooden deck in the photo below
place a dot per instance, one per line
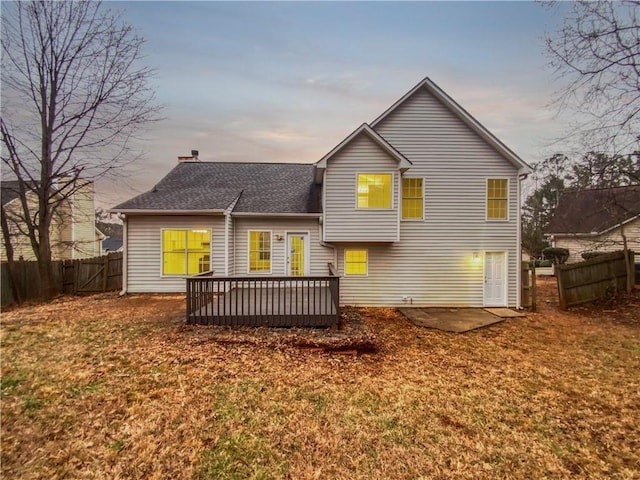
(281, 302)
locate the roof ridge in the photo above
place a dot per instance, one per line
(217, 162)
(594, 189)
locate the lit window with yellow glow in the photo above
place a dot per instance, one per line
(497, 199)
(374, 190)
(355, 262)
(186, 252)
(259, 252)
(412, 198)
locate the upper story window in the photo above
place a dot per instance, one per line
(259, 252)
(375, 190)
(186, 252)
(497, 198)
(412, 199)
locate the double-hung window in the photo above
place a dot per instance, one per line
(186, 252)
(412, 199)
(497, 198)
(355, 261)
(375, 190)
(259, 252)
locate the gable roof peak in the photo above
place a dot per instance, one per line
(463, 115)
(403, 162)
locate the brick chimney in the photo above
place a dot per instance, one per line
(190, 158)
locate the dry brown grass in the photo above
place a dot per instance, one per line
(106, 387)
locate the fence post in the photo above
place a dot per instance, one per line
(534, 302)
(105, 272)
(561, 292)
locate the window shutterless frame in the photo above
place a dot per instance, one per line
(259, 272)
(366, 262)
(402, 198)
(186, 249)
(487, 199)
(358, 186)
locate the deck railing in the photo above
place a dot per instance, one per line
(263, 301)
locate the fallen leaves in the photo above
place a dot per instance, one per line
(108, 387)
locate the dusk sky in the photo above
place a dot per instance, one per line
(286, 82)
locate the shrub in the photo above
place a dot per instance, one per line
(590, 255)
(557, 255)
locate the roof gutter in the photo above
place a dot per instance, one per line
(271, 214)
(143, 211)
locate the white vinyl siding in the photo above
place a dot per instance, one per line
(342, 219)
(432, 264)
(320, 256)
(144, 245)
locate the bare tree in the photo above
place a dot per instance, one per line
(74, 95)
(596, 54)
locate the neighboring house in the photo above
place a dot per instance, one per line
(73, 232)
(419, 207)
(594, 221)
(111, 244)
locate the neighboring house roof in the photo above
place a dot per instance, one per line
(111, 244)
(463, 115)
(194, 186)
(9, 191)
(595, 211)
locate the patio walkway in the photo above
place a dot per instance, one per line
(452, 319)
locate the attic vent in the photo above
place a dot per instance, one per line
(192, 157)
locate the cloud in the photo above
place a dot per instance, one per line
(280, 135)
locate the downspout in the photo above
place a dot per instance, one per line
(227, 227)
(327, 245)
(227, 219)
(321, 224)
(521, 177)
(125, 256)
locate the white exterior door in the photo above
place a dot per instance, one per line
(297, 254)
(495, 279)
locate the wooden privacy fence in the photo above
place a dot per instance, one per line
(593, 279)
(98, 274)
(263, 301)
(528, 286)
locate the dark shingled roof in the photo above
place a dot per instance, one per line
(597, 210)
(263, 188)
(112, 244)
(9, 191)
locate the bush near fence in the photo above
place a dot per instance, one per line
(87, 275)
(593, 279)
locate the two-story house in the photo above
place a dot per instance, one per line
(420, 207)
(73, 233)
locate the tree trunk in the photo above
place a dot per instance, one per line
(45, 268)
(8, 248)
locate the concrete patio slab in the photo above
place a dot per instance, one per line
(505, 312)
(450, 319)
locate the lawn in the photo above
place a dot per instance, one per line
(107, 387)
